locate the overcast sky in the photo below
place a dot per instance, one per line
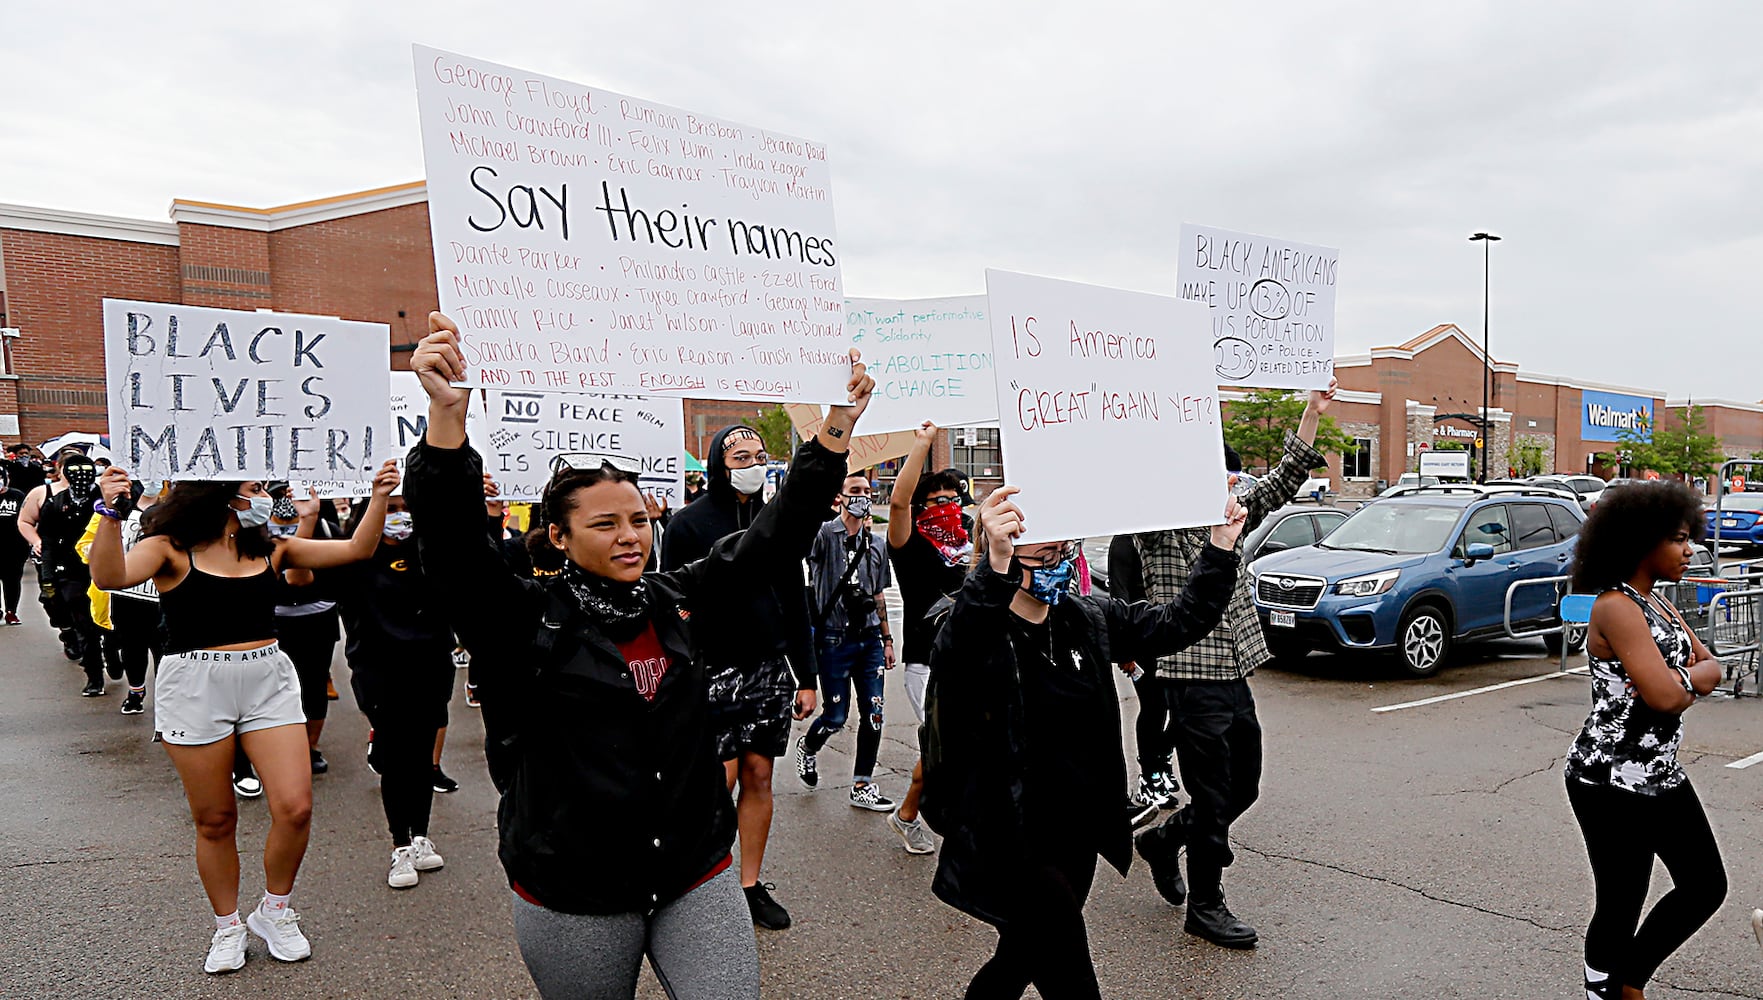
(1618, 147)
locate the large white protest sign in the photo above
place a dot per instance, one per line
(931, 360)
(200, 393)
(526, 430)
(586, 240)
(1100, 387)
(407, 420)
(1271, 304)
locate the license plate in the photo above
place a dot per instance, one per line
(1729, 522)
(1287, 619)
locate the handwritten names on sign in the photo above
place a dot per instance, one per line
(590, 241)
(528, 429)
(931, 360)
(1092, 381)
(199, 393)
(1271, 303)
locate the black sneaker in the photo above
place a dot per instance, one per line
(444, 783)
(807, 764)
(767, 913)
(319, 764)
(94, 688)
(133, 703)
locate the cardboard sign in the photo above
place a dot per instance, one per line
(1095, 382)
(526, 430)
(200, 393)
(589, 241)
(406, 422)
(866, 449)
(1271, 303)
(931, 360)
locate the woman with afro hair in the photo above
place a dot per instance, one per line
(1632, 799)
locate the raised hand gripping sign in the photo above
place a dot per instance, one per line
(528, 429)
(1271, 305)
(1109, 411)
(931, 360)
(199, 393)
(589, 241)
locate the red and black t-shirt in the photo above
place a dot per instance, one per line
(648, 661)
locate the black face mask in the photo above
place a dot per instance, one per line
(81, 477)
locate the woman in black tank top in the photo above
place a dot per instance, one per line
(206, 549)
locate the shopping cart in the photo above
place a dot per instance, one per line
(1730, 628)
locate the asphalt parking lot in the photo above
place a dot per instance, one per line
(1426, 851)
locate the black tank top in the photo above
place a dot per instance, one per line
(205, 611)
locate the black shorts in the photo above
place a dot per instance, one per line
(751, 709)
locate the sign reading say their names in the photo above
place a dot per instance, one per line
(407, 422)
(931, 360)
(1271, 303)
(526, 430)
(1093, 379)
(199, 393)
(586, 240)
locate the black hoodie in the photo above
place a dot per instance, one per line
(758, 624)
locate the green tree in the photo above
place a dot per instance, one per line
(1528, 456)
(773, 425)
(1684, 451)
(1256, 427)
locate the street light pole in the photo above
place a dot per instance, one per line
(1486, 240)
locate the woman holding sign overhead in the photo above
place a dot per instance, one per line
(615, 820)
(1023, 766)
(224, 679)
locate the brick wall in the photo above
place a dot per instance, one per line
(367, 267)
(55, 287)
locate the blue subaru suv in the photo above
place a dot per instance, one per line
(1414, 573)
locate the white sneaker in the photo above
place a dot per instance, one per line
(281, 933)
(424, 856)
(248, 787)
(226, 952)
(403, 874)
(915, 835)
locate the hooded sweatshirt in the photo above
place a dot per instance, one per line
(759, 623)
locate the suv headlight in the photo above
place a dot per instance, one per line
(1369, 585)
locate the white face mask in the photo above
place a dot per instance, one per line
(749, 480)
(398, 526)
(255, 515)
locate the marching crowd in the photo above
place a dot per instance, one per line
(638, 686)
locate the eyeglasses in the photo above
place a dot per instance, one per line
(587, 461)
(1067, 550)
(745, 461)
(931, 502)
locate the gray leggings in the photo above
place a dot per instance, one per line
(700, 946)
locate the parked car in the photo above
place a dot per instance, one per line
(1414, 574)
(1740, 519)
(1408, 480)
(1290, 527)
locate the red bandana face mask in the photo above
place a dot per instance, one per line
(941, 526)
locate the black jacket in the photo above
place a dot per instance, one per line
(973, 744)
(769, 617)
(610, 803)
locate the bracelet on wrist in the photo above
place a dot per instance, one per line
(101, 510)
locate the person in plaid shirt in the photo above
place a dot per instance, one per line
(1211, 712)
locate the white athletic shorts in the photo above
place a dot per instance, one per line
(917, 676)
(207, 694)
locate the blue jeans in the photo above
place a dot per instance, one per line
(850, 659)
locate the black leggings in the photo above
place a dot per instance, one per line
(134, 634)
(1151, 731)
(12, 575)
(405, 710)
(310, 641)
(1044, 942)
(1624, 831)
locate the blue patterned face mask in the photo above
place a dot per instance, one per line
(1051, 584)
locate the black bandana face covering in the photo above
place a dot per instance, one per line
(613, 605)
(81, 476)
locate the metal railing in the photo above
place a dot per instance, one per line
(1559, 628)
(1732, 635)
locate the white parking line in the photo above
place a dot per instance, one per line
(1745, 762)
(1485, 690)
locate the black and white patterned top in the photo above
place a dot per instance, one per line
(1625, 743)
